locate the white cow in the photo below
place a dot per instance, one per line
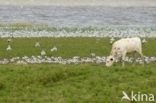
(123, 46)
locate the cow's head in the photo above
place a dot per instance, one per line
(110, 60)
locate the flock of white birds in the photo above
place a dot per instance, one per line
(37, 45)
(73, 60)
(88, 31)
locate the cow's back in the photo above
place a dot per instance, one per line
(128, 44)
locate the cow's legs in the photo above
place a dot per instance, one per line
(123, 59)
(135, 57)
(141, 55)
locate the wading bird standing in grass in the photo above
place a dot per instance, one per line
(9, 40)
(123, 46)
(37, 44)
(112, 40)
(43, 53)
(8, 48)
(53, 49)
(144, 41)
(93, 54)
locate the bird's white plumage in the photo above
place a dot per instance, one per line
(8, 48)
(43, 53)
(37, 44)
(53, 49)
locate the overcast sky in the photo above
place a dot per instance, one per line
(81, 2)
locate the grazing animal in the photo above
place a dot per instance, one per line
(121, 47)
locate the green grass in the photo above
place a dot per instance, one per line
(67, 47)
(84, 83)
(81, 83)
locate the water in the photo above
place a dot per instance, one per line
(82, 16)
(96, 17)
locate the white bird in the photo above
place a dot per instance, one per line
(21, 62)
(144, 41)
(8, 48)
(93, 54)
(43, 53)
(9, 40)
(112, 40)
(76, 57)
(37, 44)
(53, 49)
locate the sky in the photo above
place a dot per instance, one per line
(81, 2)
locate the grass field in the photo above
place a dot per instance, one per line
(67, 47)
(75, 83)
